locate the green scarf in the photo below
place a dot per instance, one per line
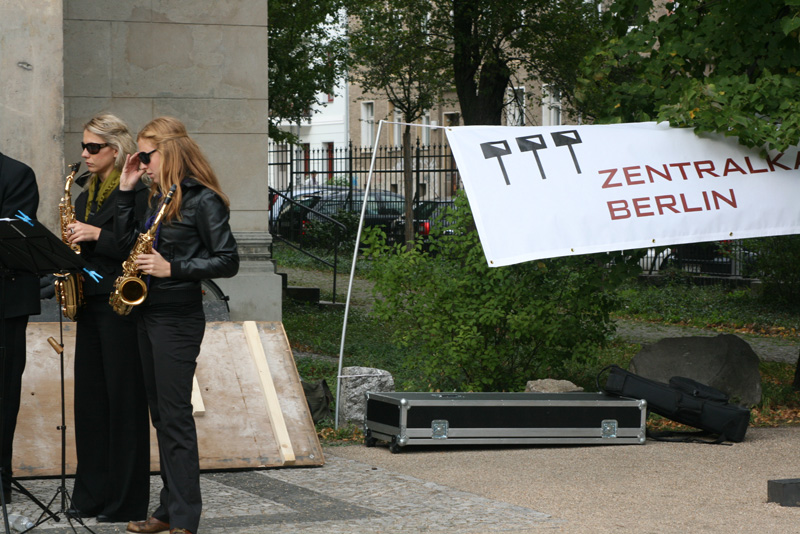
(106, 187)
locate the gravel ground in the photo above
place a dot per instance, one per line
(658, 487)
(653, 488)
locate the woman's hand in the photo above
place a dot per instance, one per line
(131, 172)
(154, 264)
(79, 232)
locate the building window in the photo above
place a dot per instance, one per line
(367, 123)
(426, 131)
(397, 129)
(551, 106)
(515, 108)
(452, 119)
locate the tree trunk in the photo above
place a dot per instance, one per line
(481, 76)
(796, 383)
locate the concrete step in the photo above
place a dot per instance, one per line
(302, 294)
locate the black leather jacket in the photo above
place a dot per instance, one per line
(104, 256)
(199, 246)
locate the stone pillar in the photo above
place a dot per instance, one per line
(204, 62)
(31, 102)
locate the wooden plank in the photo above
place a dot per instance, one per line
(235, 431)
(198, 407)
(270, 394)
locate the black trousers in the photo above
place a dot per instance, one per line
(13, 367)
(169, 340)
(112, 426)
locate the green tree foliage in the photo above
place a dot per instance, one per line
(495, 44)
(491, 329)
(391, 50)
(720, 66)
(778, 269)
(480, 48)
(307, 53)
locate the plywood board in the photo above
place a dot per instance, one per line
(234, 429)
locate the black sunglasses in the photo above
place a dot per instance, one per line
(144, 157)
(93, 148)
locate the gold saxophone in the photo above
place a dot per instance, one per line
(69, 287)
(129, 289)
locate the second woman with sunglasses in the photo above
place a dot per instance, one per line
(194, 242)
(112, 427)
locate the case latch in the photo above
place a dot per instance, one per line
(439, 428)
(608, 428)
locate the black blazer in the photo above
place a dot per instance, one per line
(18, 191)
(104, 256)
(199, 246)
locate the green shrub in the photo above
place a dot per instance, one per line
(491, 329)
(322, 234)
(778, 263)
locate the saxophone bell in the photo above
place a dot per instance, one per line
(129, 289)
(132, 291)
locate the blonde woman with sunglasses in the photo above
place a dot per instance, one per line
(112, 430)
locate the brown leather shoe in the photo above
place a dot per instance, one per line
(150, 525)
(179, 531)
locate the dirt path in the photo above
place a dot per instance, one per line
(770, 349)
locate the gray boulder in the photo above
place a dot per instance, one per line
(355, 382)
(726, 362)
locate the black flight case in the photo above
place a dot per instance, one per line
(503, 418)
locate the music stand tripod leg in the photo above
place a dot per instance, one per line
(58, 346)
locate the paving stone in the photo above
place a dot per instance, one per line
(343, 496)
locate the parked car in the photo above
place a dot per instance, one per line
(291, 221)
(428, 220)
(720, 258)
(382, 206)
(296, 218)
(277, 201)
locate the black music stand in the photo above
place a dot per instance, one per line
(26, 246)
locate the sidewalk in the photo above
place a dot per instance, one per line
(653, 488)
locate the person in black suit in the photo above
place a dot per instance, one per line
(112, 426)
(20, 299)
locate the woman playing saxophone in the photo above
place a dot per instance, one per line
(112, 431)
(193, 242)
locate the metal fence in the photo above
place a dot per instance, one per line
(716, 258)
(435, 177)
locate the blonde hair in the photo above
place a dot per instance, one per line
(181, 157)
(115, 132)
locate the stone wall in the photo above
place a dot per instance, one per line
(202, 61)
(31, 101)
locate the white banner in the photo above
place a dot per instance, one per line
(544, 192)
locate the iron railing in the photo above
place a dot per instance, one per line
(435, 176)
(286, 233)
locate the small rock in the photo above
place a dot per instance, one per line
(355, 382)
(550, 385)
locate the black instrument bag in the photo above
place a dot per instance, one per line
(683, 400)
